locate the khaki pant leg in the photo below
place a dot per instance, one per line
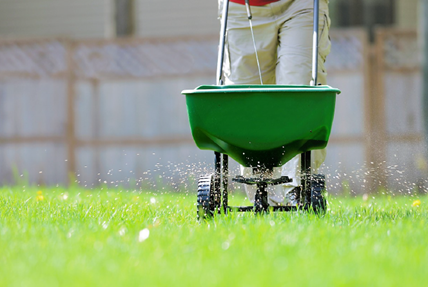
(240, 65)
(295, 67)
(295, 49)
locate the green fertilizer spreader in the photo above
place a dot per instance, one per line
(262, 127)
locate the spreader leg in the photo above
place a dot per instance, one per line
(306, 174)
(217, 176)
(225, 174)
(221, 163)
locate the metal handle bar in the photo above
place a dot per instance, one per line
(223, 28)
(314, 80)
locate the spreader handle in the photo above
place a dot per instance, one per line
(247, 5)
(220, 59)
(314, 80)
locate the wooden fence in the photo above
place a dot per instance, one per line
(111, 110)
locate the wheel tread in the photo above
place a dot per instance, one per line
(207, 201)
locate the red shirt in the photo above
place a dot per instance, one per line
(254, 2)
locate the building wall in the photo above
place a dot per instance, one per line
(95, 18)
(176, 18)
(47, 18)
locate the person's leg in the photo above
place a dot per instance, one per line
(295, 64)
(295, 44)
(240, 65)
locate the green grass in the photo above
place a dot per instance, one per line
(91, 238)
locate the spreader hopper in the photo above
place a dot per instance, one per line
(261, 125)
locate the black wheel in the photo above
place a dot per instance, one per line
(209, 199)
(318, 201)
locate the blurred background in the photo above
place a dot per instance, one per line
(90, 93)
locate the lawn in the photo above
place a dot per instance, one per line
(99, 237)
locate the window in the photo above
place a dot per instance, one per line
(362, 13)
(124, 17)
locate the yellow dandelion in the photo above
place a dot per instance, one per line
(40, 196)
(416, 203)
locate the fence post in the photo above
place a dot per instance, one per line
(71, 94)
(376, 138)
(377, 130)
(370, 75)
(424, 39)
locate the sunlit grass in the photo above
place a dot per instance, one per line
(78, 237)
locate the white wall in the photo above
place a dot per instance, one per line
(46, 18)
(153, 18)
(95, 18)
(176, 18)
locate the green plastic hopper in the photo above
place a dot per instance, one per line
(261, 125)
